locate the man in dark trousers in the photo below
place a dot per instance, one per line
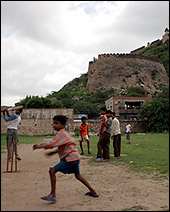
(103, 153)
(116, 135)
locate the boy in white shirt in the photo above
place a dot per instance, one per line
(12, 129)
(128, 131)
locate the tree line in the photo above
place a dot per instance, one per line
(155, 113)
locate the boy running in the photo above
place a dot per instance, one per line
(84, 134)
(69, 157)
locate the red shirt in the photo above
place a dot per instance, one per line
(83, 130)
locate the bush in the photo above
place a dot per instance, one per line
(135, 91)
(154, 72)
(77, 131)
(155, 114)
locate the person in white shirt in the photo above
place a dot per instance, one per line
(116, 135)
(128, 131)
(12, 129)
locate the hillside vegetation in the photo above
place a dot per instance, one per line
(75, 94)
(158, 51)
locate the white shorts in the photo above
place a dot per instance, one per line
(84, 137)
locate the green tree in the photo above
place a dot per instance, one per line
(135, 91)
(81, 107)
(63, 94)
(57, 104)
(67, 102)
(164, 91)
(35, 102)
(155, 114)
(47, 102)
(23, 101)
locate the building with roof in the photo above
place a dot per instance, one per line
(126, 107)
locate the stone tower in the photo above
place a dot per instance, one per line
(165, 37)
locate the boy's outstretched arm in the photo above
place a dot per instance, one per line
(51, 153)
(42, 145)
(55, 142)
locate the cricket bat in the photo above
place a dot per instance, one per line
(14, 108)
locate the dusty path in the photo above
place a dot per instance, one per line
(119, 189)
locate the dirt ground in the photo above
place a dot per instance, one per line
(119, 188)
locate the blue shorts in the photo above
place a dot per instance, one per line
(68, 167)
(128, 136)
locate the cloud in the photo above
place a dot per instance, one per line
(46, 44)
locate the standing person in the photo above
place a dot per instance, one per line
(69, 157)
(84, 134)
(104, 140)
(128, 131)
(12, 129)
(103, 119)
(116, 135)
(101, 131)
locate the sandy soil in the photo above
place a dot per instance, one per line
(119, 188)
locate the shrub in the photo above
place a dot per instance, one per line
(155, 114)
(77, 131)
(154, 72)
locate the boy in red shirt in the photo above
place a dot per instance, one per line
(69, 157)
(84, 134)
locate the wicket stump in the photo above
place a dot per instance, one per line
(14, 145)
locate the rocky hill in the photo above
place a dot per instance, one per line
(138, 74)
(118, 71)
(144, 74)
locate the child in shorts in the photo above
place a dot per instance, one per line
(84, 135)
(128, 132)
(69, 157)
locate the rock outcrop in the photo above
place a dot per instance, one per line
(121, 70)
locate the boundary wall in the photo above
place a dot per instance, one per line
(94, 125)
(39, 121)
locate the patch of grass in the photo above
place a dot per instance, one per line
(24, 140)
(147, 153)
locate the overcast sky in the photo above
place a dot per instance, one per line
(46, 44)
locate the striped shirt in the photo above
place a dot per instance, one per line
(66, 146)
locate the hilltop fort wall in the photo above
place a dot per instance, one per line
(164, 40)
(118, 71)
(122, 56)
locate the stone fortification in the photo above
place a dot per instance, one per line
(121, 70)
(164, 40)
(39, 121)
(113, 55)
